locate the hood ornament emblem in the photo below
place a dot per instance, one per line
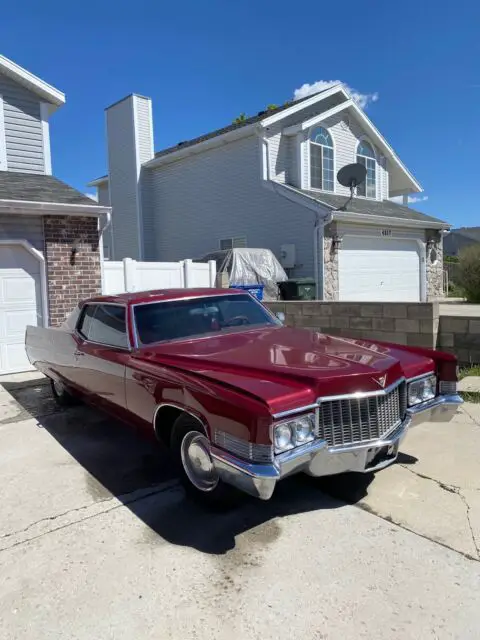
(381, 381)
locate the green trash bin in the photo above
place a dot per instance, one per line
(297, 289)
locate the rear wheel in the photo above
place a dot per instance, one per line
(191, 450)
(61, 394)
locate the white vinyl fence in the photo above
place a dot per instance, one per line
(130, 275)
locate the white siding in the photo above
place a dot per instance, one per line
(104, 200)
(23, 128)
(280, 158)
(144, 128)
(219, 194)
(346, 133)
(123, 173)
(19, 227)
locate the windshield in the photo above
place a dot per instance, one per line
(157, 322)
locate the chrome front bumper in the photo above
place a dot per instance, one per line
(317, 459)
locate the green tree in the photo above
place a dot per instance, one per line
(241, 118)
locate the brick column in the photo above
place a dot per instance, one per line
(71, 277)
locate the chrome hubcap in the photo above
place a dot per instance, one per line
(197, 461)
(59, 388)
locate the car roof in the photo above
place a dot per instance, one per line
(160, 295)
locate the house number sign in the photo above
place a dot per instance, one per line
(386, 232)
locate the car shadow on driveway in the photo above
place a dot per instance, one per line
(119, 462)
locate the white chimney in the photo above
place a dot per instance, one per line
(129, 145)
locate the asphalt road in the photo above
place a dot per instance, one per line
(98, 541)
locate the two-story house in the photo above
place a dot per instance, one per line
(270, 181)
(50, 249)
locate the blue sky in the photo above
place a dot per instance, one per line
(203, 63)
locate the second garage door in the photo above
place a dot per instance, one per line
(20, 304)
(379, 269)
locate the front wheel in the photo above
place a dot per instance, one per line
(61, 394)
(191, 450)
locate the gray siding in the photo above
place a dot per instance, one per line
(103, 195)
(23, 128)
(219, 194)
(123, 174)
(19, 227)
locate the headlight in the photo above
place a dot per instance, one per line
(422, 390)
(294, 432)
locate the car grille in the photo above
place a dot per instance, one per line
(352, 420)
(242, 448)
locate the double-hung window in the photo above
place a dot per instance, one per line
(366, 156)
(321, 160)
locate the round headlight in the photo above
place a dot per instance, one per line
(283, 437)
(304, 430)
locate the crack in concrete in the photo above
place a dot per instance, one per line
(121, 501)
(467, 506)
(451, 488)
(464, 408)
(400, 525)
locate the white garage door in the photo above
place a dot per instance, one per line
(20, 304)
(383, 269)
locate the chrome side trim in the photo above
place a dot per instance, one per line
(362, 394)
(291, 412)
(183, 410)
(422, 375)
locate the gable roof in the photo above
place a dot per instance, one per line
(31, 187)
(362, 206)
(54, 97)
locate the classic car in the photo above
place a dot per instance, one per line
(241, 400)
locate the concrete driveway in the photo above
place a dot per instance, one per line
(97, 540)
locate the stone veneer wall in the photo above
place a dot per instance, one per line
(330, 264)
(413, 324)
(70, 279)
(435, 269)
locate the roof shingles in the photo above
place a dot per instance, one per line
(39, 188)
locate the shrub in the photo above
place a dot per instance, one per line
(469, 272)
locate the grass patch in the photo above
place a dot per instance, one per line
(473, 370)
(471, 396)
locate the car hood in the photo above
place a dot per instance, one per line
(287, 367)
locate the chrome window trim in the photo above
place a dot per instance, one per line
(231, 292)
(80, 336)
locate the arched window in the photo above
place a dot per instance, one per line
(321, 159)
(366, 156)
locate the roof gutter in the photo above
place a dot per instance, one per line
(32, 207)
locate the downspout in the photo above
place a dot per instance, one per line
(320, 222)
(103, 223)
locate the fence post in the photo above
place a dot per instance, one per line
(212, 272)
(188, 273)
(129, 274)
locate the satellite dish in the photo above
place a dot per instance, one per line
(351, 175)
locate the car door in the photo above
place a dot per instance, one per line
(102, 354)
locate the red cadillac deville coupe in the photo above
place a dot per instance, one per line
(241, 400)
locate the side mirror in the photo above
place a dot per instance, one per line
(281, 316)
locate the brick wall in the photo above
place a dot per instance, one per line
(410, 324)
(70, 278)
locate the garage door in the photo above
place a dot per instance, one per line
(383, 269)
(20, 304)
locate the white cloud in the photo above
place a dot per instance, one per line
(411, 199)
(92, 196)
(362, 99)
